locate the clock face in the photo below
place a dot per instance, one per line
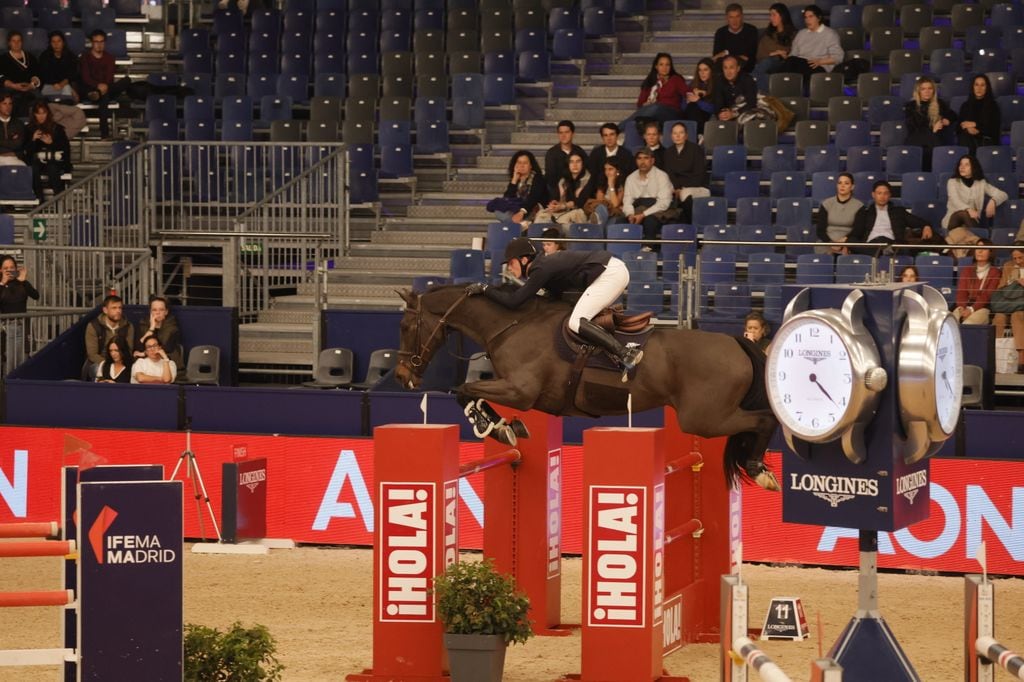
(949, 377)
(810, 377)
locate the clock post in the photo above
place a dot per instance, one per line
(863, 380)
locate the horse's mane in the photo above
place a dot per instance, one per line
(539, 304)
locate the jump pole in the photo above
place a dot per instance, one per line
(43, 529)
(983, 653)
(523, 518)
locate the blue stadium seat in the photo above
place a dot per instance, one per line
(892, 133)
(945, 158)
(902, 159)
(719, 233)
(864, 158)
(589, 231)
(996, 159)
(788, 184)
(259, 85)
(732, 300)
(740, 184)
(753, 211)
(396, 160)
(821, 158)
(777, 157)
(863, 182)
(763, 234)
(1011, 107)
(814, 268)
(946, 60)
(642, 265)
(710, 211)
(16, 184)
(330, 85)
(503, 63)
(823, 185)
(918, 187)
(467, 263)
(199, 108)
(678, 241)
(568, 44)
(297, 63)
(294, 86)
(534, 66)
(432, 137)
(598, 22)
(938, 271)
(727, 159)
(796, 236)
(499, 89)
(364, 188)
(623, 231)
(237, 108)
(884, 108)
(498, 236)
(764, 269)
(852, 134)
(793, 212)
(931, 210)
(643, 296)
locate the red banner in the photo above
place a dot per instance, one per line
(319, 491)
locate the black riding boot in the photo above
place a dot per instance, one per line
(629, 357)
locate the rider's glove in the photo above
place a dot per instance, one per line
(476, 288)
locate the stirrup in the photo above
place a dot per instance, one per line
(630, 358)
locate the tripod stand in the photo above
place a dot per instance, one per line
(198, 487)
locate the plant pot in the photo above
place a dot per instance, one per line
(476, 658)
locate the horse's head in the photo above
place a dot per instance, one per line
(421, 333)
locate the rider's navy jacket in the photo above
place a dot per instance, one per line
(558, 272)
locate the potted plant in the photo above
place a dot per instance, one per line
(482, 612)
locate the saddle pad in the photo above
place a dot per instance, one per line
(569, 345)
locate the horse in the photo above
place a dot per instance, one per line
(715, 386)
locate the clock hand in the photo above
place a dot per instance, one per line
(814, 379)
(945, 380)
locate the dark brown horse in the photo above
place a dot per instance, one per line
(709, 379)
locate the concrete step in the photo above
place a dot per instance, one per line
(392, 264)
(401, 237)
(299, 347)
(621, 92)
(278, 329)
(434, 198)
(478, 212)
(541, 133)
(485, 187)
(382, 302)
(292, 316)
(265, 357)
(431, 224)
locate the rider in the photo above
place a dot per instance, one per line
(603, 276)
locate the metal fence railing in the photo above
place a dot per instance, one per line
(79, 277)
(168, 187)
(23, 334)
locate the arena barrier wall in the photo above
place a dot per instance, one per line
(123, 589)
(327, 497)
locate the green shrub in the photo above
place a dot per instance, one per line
(238, 655)
(474, 599)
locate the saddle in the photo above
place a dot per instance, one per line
(615, 319)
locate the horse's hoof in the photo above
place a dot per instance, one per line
(519, 428)
(766, 479)
(504, 434)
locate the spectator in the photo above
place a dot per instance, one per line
(98, 74)
(163, 326)
(108, 324)
(980, 118)
(652, 142)
(834, 219)
(773, 48)
(609, 190)
(815, 48)
(929, 120)
(155, 367)
(736, 39)
(575, 188)
(883, 223)
(47, 148)
(909, 274)
(648, 193)
(1013, 273)
(756, 330)
(59, 69)
(550, 247)
(12, 144)
(526, 193)
(734, 92)
(686, 168)
(15, 289)
(556, 160)
(975, 286)
(699, 102)
(610, 149)
(971, 202)
(661, 95)
(116, 365)
(19, 71)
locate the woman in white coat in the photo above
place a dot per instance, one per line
(971, 203)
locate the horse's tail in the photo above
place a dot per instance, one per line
(739, 448)
(748, 446)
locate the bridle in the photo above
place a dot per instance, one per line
(415, 362)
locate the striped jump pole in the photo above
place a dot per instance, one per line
(41, 598)
(37, 548)
(759, 661)
(44, 529)
(983, 653)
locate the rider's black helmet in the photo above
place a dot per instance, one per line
(518, 248)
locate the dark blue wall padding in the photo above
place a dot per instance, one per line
(404, 408)
(362, 332)
(291, 411)
(993, 434)
(80, 404)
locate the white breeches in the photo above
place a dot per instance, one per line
(601, 293)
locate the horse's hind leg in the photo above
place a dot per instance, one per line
(749, 432)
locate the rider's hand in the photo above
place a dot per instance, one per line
(475, 288)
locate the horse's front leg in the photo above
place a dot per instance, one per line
(486, 421)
